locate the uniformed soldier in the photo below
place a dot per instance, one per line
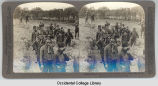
(99, 34)
(125, 58)
(47, 57)
(76, 31)
(134, 37)
(36, 46)
(41, 24)
(125, 39)
(61, 59)
(34, 34)
(27, 18)
(111, 56)
(60, 40)
(69, 37)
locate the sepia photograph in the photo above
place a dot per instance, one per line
(113, 36)
(46, 37)
(100, 37)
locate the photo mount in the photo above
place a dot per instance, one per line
(7, 71)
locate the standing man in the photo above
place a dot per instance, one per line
(60, 40)
(111, 56)
(125, 40)
(100, 42)
(34, 34)
(69, 37)
(47, 58)
(92, 18)
(61, 59)
(125, 60)
(36, 46)
(76, 31)
(27, 19)
(134, 37)
(99, 34)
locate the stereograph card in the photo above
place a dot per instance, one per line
(78, 39)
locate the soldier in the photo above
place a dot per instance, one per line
(42, 39)
(134, 37)
(111, 56)
(108, 30)
(100, 42)
(34, 34)
(122, 29)
(107, 23)
(128, 32)
(92, 17)
(101, 45)
(125, 39)
(76, 31)
(125, 58)
(41, 24)
(116, 34)
(99, 34)
(69, 37)
(51, 26)
(56, 31)
(117, 27)
(51, 32)
(27, 19)
(61, 59)
(62, 32)
(117, 31)
(60, 40)
(47, 58)
(36, 46)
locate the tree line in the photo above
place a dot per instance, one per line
(69, 14)
(135, 13)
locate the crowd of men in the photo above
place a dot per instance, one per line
(108, 39)
(44, 39)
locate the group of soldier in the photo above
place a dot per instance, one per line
(44, 39)
(113, 44)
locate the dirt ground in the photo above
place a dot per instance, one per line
(22, 33)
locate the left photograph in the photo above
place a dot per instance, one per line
(45, 38)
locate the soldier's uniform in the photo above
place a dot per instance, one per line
(60, 40)
(111, 57)
(125, 40)
(134, 36)
(125, 59)
(27, 18)
(34, 34)
(47, 57)
(69, 37)
(36, 46)
(76, 31)
(61, 59)
(99, 34)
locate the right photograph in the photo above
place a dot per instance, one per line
(112, 37)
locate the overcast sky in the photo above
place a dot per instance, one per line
(112, 5)
(46, 5)
(58, 5)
